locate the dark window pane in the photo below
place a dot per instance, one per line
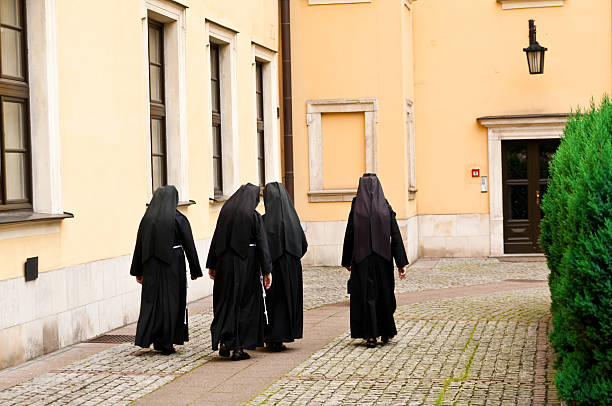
(518, 202)
(217, 175)
(155, 78)
(214, 61)
(259, 77)
(159, 171)
(16, 184)
(12, 52)
(517, 162)
(14, 126)
(157, 136)
(546, 155)
(214, 96)
(217, 147)
(155, 45)
(10, 12)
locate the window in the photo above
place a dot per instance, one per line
(259, 97)
(217, 152)
(15, 161)
(157, 105)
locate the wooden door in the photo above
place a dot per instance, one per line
(525, 179)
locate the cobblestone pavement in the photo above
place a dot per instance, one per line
(324, 285)
(427, 361)
(486, 349)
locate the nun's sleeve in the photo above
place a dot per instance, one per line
(304, 242)
(211, 260)
(261, 245)
(188, 245)
(347, 250)
(397, 244)
(136, 268)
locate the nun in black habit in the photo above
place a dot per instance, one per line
(288, 245)
(164, 238)
(371, 242)
(238, 255)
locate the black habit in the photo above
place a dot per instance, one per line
(288, 245)
(239, 254)
(372, 240)
(164, 238)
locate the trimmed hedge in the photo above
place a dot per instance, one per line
(577, 240)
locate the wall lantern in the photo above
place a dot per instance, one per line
(535, 52)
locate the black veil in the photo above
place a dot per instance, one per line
(235, 221)
(156, 230)
(372, 220)
(282, 222)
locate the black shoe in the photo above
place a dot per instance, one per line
(164, 350)
(371, 343)
(276, 347)
(239, 355)
(384, 339)
(224, 351)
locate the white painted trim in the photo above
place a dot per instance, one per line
(44, 106)
(270, 100)
(510, 128)
(175, 79)
(410, 151)
(229, 104)
(516, 4)
(318, 2)
(314, 109)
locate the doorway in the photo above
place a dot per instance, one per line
(525, 180)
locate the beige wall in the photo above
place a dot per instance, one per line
(104, 126)
(470, 63)
(349, 51)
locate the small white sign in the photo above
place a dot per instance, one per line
(483, 184)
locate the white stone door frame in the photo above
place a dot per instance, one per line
(502, 128)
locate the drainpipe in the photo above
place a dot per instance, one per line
(287, 100)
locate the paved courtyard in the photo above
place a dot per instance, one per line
(469, 332)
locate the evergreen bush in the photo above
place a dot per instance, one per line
(577, 241)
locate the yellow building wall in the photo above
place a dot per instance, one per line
(104, 124)
(347, 51)
(344, 146)
(469, 62)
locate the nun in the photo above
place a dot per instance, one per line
(371, 242)
(239, 263)
(164, 238)
(288, 245)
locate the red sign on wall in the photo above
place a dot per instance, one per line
(475, 173)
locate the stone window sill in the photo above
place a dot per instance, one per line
(13, 217)
(515, 4)
(186, 203)
(218, 199)
(318, 2)
(331, 195)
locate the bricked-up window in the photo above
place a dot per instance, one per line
(157, 105)
(215, 94)
(15, 159)
(261, 157)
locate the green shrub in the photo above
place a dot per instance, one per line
(577, 240)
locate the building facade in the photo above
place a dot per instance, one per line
(100, 105)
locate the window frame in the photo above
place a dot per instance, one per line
(260, 123)
(216, 119)
(157, 111)
(15, 89)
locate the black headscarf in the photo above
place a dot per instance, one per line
(282, 222)
(235, 221)
(156, 230)
(371, 219)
